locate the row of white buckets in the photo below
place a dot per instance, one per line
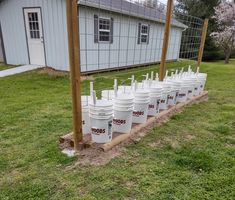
(126, 105)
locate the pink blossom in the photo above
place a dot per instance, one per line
(225, 18)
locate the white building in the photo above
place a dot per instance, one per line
(113, 33)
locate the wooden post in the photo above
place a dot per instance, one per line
(203, 39)
(166, 38)
(74, 60)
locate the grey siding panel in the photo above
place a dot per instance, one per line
(56, 44)
(55, 31)
(106, 55)
(1, 51)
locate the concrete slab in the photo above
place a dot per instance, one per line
(18, 70)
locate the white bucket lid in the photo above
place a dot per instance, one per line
(141, 102)
(155, 96)
(119, 108)
(123, 102)
(102, 103)
(141, 92)
(141, 98)
(124, 97)
(101, 112)
(100, 117)
(202, 74)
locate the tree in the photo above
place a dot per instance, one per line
(225, 36)
(202, 9)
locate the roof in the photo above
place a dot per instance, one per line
(133, 9)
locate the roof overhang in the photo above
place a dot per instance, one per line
(131, 9)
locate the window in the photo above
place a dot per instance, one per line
(103, 29)
(143, 37)
(144, 33)
(34, 25)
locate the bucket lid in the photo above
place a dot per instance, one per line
(124, 97)
(120, 108)
(102, 103)
(100, 117)
(141, 92)
(142, 102)
(100, 112)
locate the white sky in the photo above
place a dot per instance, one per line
(163, 1)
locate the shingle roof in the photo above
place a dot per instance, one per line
(130, 8)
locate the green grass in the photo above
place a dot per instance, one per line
(190, 157)
(5, 66)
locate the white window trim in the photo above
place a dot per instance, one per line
(104, 30)
(147, 34)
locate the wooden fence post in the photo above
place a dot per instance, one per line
(202, 44)
(74, 61)
(166, 38)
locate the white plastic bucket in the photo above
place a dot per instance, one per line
(176, 87)
(125, 89)
(124, 98)
(163, 105)
(202, 77)
(153, 107)
(123, 108)
(101, 128)
(165, 93)
(191, 85)
(183, 94)
(102, 104)
(140, 112)
(101, 117)
(108, 94)
(197, 89)
(122, 120)
(118, 103)
(86, 124)
(171, 101)
(155, 98)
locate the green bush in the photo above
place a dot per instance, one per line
(210, 55)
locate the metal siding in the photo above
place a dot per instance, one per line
(131, 53)
(1, 51)
(54, 25)
(55, 37)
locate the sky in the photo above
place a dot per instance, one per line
(163, 1)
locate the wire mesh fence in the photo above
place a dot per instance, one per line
(127, 36)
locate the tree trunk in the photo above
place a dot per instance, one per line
(227, 56)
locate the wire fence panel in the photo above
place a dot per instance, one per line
(128, 34)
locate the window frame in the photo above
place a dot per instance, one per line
(33, 22)
(104, 30)
(144, 34)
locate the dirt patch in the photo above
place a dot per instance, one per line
(95, 157)
(156, 144)
(189, 137)
(52, 72)
(87, 78)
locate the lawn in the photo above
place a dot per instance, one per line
(190, 157)
(4, 66)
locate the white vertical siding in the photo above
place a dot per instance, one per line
(98, 56)
(95, 56)
(54, 25)
(1, 51)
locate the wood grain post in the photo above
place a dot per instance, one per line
(166, 38)
(74, 60)
(202, 44)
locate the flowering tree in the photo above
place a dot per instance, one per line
(225, 36)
